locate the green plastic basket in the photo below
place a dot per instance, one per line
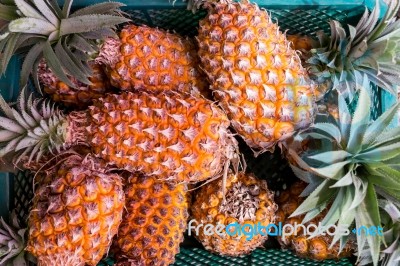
(295, 16)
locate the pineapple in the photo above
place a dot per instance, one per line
(254, 73)
(79, 96)
(354, 162)
(318, 247)
(59, 46)
(13, 242)
(154, 221)
(371, 48)
(247, 202)
(180, 138)
(143, 58)
(76, 211)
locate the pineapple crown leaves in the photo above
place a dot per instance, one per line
(66, 40)
(392, 232)
(390, 254)
(371, 48)
(12, 242)
(358, 159)
(32, 129)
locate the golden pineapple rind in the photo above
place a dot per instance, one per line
(176, 137)
(81, 96)
(76, 211)
(153, 60)
(154, 221)
(256, 75)
(206, 209)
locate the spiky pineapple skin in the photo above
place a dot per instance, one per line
(316, 248)
(255, 74)
(80, 97)
(154, 221)
(207, 208)
(179, 138)
(76, 211)
(151, 59)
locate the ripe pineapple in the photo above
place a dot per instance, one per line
(354, 162)
(247, 201)
(80, 96)
(255, 74)
(180, 138)
(145, 58)
(59, 46)
(154, 221)
(318, 247)
(76, 211)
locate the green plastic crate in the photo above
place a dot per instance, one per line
(295, 16)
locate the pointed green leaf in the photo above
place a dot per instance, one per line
(47, 12)
(328, 129)
(19, 119)
(25, 143)
(88, 23)
(346, 218)
(99, 34)
(32, 25)
(8, 52)
(28, 10)
(331, 157)
(381, 153)
(67, 8)
(6, 135)
(69, 65)
(33, 55)
(332, 171)
(81, 44)
(314, 213)
(306, 176)
(11, 125)
(360, 191)
(56, 8)
(346, 180)
(386, 178)
(78, 61)
(379, 125)
(368, 215)
(360, 119)
(5, 108)
(335, 210)
(55, 64)
(10, 146)
(101, 8)
(321, 195)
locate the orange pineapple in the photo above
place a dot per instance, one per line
(80, 96)
(247, 201)
(176, 137)
(255, 74)
(76, 211)
(145, 58)
(153, 224)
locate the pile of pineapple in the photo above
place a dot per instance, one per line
(133, 130)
